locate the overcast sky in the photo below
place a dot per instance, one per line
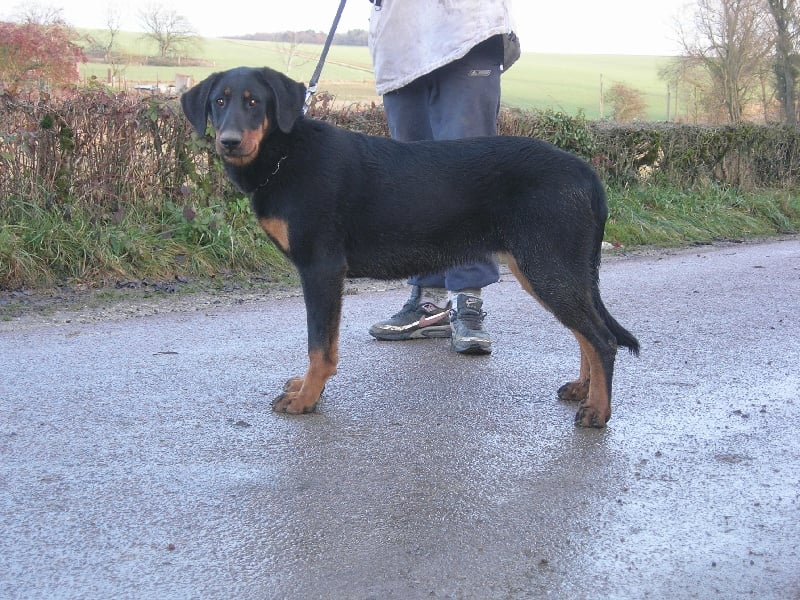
(574, 26)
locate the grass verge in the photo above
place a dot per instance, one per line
(45, 247)
(669, 216)
(42, 247)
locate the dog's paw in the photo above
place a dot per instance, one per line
(293, 403)
(293, 385)
(294, 400)
(589, 416)
(574, 391)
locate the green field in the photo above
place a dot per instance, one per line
(564, 82)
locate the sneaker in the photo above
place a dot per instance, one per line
(416, 320)
(466, 321)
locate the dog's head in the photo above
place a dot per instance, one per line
(244, 106)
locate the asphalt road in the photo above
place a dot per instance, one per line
(139, 457)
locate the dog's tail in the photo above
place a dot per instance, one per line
(624, 337)
(600, 207)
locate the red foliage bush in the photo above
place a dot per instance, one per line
(38, 53)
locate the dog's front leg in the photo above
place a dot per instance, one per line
(322, 288)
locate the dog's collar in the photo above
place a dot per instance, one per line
(264, 183)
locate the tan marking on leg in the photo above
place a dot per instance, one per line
(590, 388)
(595, 410)
(293, 385)
(574, 391)
(301, 394)
(277, 230)
(514, 267)
(523, 281)
(578, 390)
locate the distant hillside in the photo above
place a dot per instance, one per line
(354, 37)
(564, 82)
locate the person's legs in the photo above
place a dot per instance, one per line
(407, 112)
(459, 100)
(465, 103)
(425, 314)
(465, 97)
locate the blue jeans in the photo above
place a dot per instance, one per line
(458, 100)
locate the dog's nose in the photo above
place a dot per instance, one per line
(230, 141)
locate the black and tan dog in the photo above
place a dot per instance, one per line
(340, 203)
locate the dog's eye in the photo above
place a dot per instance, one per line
(251, 102)
(220, 101)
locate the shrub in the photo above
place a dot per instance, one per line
(745, 156)
(35, 52)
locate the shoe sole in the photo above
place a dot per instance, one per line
(432, 332)
(472, 349)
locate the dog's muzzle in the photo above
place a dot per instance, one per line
(236, 149)
(230, 144)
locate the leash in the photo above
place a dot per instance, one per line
(312, 85)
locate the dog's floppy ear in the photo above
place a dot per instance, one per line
(290, 96)
(194, 103)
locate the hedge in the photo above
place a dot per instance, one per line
(101, 151)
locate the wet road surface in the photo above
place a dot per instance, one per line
(139, 457)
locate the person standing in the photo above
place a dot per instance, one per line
(437, 66)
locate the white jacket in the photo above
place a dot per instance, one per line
(411, 38)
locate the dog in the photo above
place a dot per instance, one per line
(339, 203)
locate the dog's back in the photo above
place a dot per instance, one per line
(407, 208)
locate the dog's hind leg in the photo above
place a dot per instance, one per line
(571, 303)
(594, 409)
(322, 289)
(578, 390)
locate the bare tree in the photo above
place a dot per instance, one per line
(113, 20)
(291, 50)
(731, 40)
(112, 57)
(676, 75)
(167, 28)
(113, 24)
(786, 14)
(39, 14)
